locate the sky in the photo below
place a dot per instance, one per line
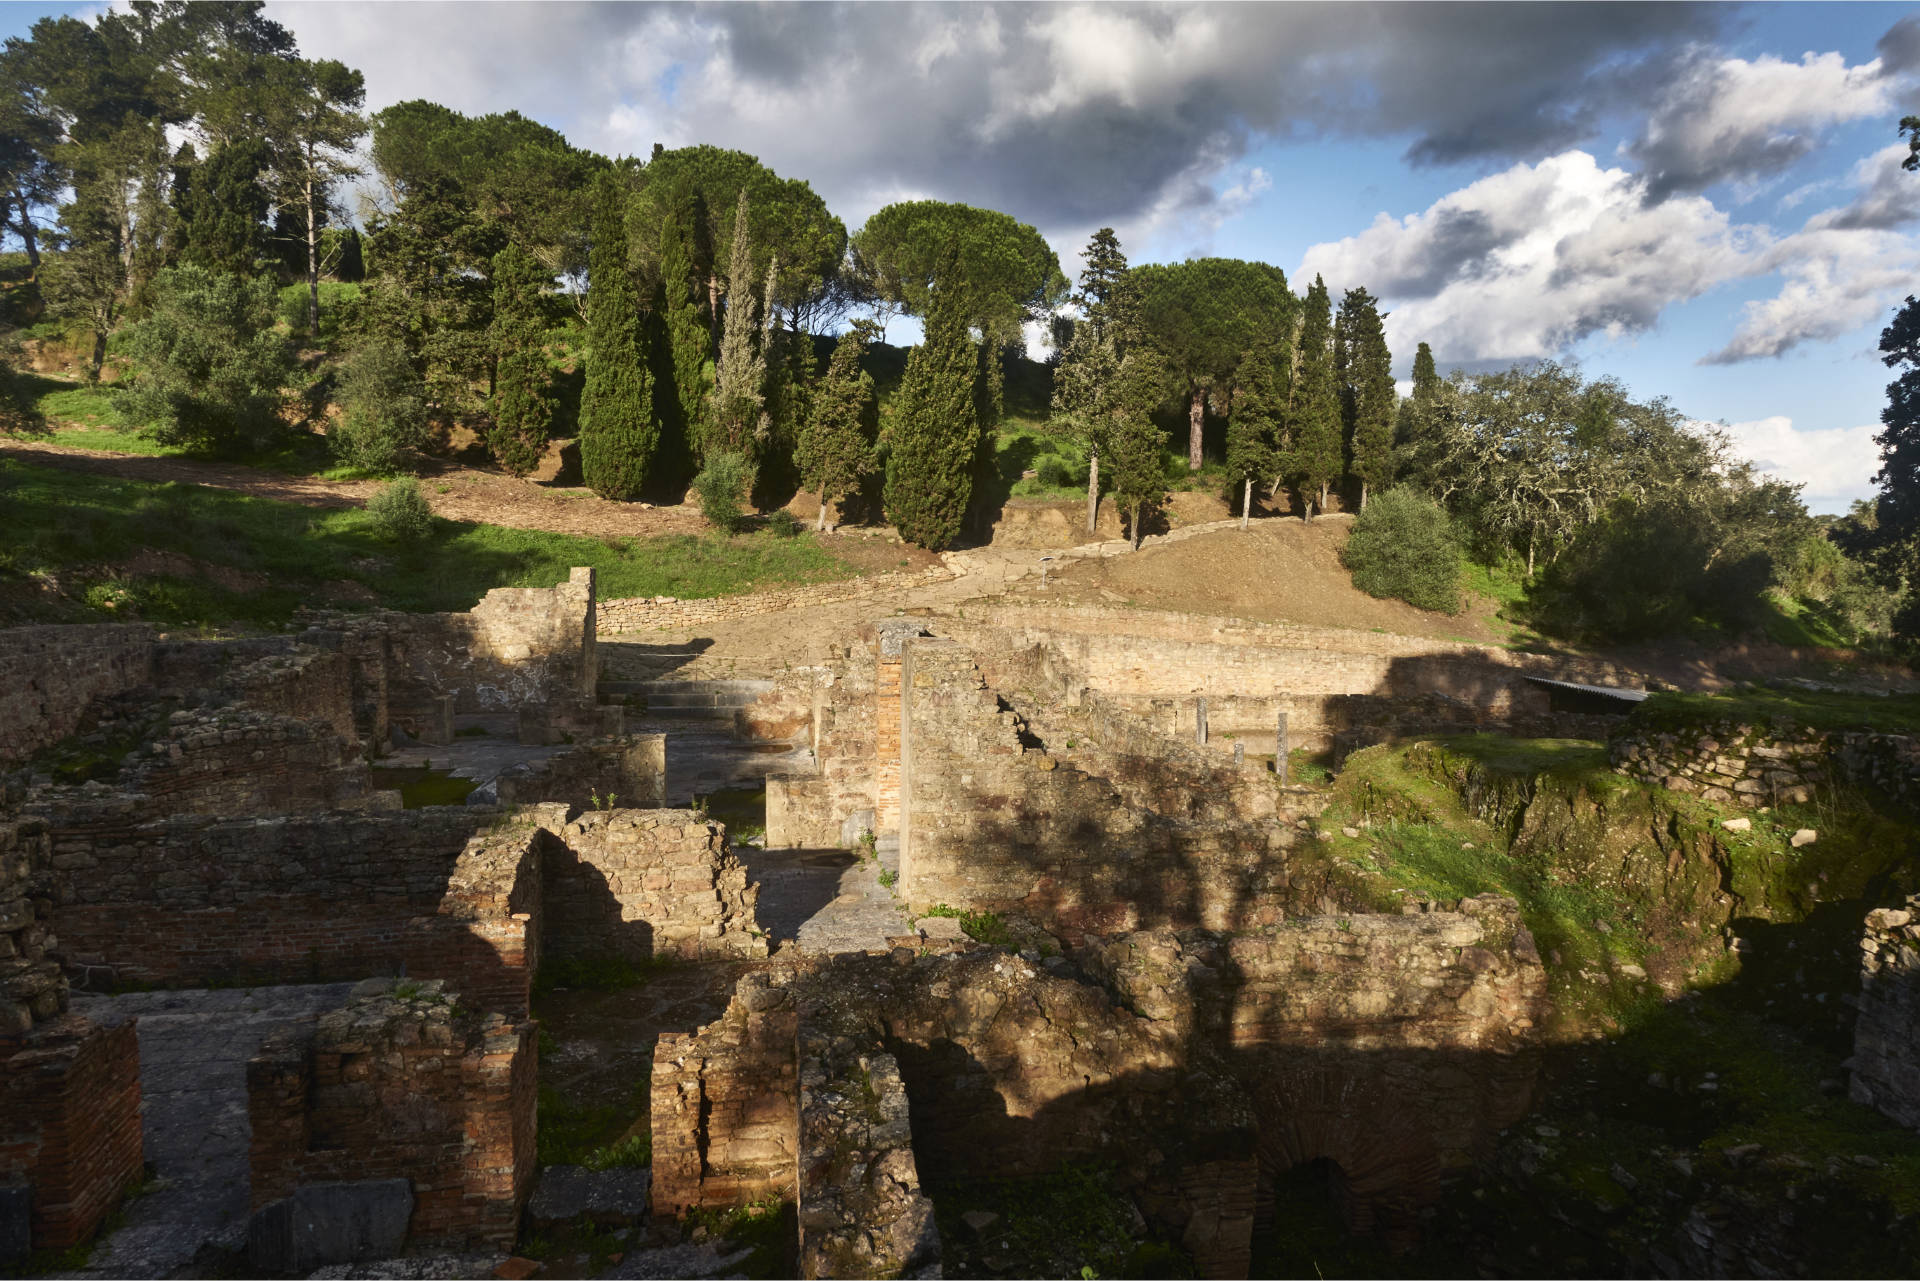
(1703, 201)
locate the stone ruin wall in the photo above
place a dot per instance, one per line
(1202, 1064)
(1886, 1073)
(48, 676)
(1153, 664)
(991, 823)
(402, 1083)
(70, 1138)
(1749, 765)
(664, 613)
(816, 811)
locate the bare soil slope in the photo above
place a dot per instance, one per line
(1281, 570)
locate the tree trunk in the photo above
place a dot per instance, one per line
(713, 318)
(99, 354)
(1093, 488)
(1529, 555)
(1323, 495)
(1136, 527)
(27, 235)
(1363, 495)
(1196, 415)
(313, 262)
(821, 527)
(1246, 502)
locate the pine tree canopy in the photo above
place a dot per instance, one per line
(1002, 272)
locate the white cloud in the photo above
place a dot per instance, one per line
(1522, 263)
(1836, 281)
(1728, 118)
(1836, 464)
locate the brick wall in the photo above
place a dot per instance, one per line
(70, 1123)
(1885, 1072)
(401, 1083)
(644, 883)
(726, 1104)
(48, 675)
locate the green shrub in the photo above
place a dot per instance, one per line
(1057, 472)
(383, 410)
(721, 488)
(1403, 546)
(209, 370)
(400, 512)
(783, 524)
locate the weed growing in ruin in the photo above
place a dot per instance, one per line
(981, 927)
(600, 973)
(1074, 1222)
(603, 805)
(887, 878)
(767, 1227)
(869, 844)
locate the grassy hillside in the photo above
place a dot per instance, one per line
(85, 547)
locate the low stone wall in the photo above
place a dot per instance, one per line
(48, 676)
(629, 771)
(1754, 765)
(861, 1210)
(1886, 1073)
(32, 988)
(726, 1104)
(235, 761)
(665, 613)
(643, 883)
(814, 811)
(401, 1083)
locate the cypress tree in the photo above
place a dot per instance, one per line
(1136, 447)
(834, 451)
(1259, 404)
(1314, 424)
(522, 412)
(935, 433)
(618, 430)
(740, 385)
(1426, 379)
(1368, 392)
(687, 336)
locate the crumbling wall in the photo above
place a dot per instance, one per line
(630, 771)
(643, 883)
(992, 822)
(818, 810)
(69, 1089)
(1886, 1073)
(726, 1103)
(237, 760)
(402, 1082)
(861, 1210)
(48, 676)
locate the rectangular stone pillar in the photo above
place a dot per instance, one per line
(1200, 721)
(1280, 747)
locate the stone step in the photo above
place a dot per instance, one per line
(721, 696)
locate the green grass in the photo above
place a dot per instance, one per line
(420, 787)
(982, 927)
(742, 809)
(768, 1227)
(1781, 707)
(1804, 623)
(80, 526)
(592, 1134)
(1073, 1222)
(600, 973)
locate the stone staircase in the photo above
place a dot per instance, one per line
(658, 700)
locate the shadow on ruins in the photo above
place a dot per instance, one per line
(1191, 996)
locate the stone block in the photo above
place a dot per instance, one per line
(325, 1223)
(569, 1192)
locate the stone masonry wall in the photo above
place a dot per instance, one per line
(1886, 1073)
(402, 1083)
(726, 1103)
(235, 760)
(861, 1210)
(632, 769)
(815, 810)
(1753, 765)
(643, 883)
(993, 823)
(48, 675)
(32, 988)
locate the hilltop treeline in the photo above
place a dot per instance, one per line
(676, 314)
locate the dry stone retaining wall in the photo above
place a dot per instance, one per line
(1749, 765)
(1886, 1072)
(663, 613)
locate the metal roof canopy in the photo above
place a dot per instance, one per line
(1604, 691)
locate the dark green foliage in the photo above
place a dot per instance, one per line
(721, 488)
(1202, 316)
(1367, 393)
(341, 254)
(618, 429)
(221, 208)
(1894, 535)
(934, 433)
(1111, 308)
(1403, 546)
(521, 410)
(1313, 427)
(1136, 449)
(209, 370)
(835, 450)
(686, 333)
(399, 511)
(1426, 378)
(740, 378)
(1259, 409)
(383, 410)
(1003, 271)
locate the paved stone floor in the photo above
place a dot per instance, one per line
(194, 1047)
(827, 900)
